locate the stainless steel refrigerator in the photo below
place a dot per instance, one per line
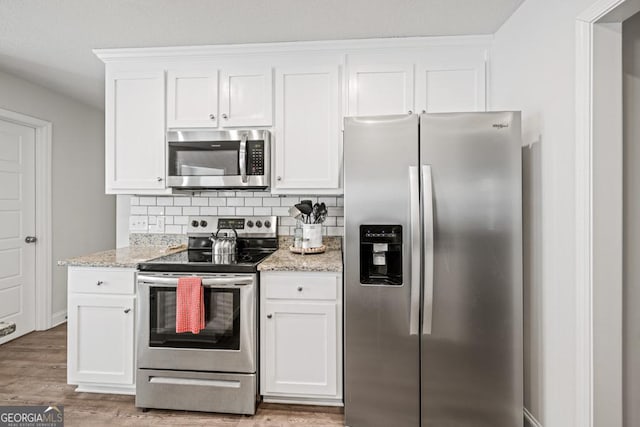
(433, 270)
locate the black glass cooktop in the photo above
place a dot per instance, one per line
(202, 261)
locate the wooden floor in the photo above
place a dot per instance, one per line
(33, 371)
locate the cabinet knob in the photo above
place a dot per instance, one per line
(269, 316)
(158, 179)
(212, 116)
(299, 288)
(279, 178)
(99, 283)
(424, 111)
(224, 116)
(410, 111)
(127, 310)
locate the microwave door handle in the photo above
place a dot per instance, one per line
(242, 158)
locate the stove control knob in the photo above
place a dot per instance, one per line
(194, 223)
(267, 224)
(203, 223)
(258, 223)
(249, 223)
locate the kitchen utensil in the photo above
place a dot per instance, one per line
(295, 212)
(306, 209)
(322, 213)
(316, 213)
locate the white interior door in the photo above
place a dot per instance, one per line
(17, 221)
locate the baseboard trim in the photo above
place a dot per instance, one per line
(58, 318)
(531, 420)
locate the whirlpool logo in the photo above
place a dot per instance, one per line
(500, 125)
(32, 416)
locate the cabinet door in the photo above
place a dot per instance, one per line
(380, 89)
(100, 339)
(246, 97)
(135, 132)
(450, 88)
(300, 348)
(307, 142)
(192, 98)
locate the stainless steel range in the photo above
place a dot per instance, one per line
(214, 370)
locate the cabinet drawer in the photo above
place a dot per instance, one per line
(301, 286)
(102, 280)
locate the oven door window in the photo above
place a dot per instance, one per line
(222, 320)
(204, 158)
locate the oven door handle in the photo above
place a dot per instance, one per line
(208, 282)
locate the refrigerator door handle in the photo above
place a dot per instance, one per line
(414, 231)
(427, 188)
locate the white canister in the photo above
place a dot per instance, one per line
(311, 235)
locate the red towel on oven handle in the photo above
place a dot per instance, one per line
(190, 305)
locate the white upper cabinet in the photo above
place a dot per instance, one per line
(135, 132)
(380, 88)
(450, 86)
(246, 97)
(192, 98)
(307, 134)
(242, 97)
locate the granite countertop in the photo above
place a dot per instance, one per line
(285, 260)
(128, 257)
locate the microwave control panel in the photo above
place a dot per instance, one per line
(255, 157)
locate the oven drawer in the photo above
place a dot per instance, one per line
(196, 391)
(300, 286)
(102, 280)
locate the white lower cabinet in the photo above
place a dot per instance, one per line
(301, 337)
(101, 330)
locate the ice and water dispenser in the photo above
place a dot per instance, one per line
(381, 254)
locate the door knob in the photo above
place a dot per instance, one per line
(30, 239)
(269, 316)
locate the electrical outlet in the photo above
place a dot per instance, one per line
(158, 227)
(138, 223)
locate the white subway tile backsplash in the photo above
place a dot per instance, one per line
(173, 229)
(191, 210)
(180, 220)
(235, 201)
(271, 201)
(226, 211)
(244, 211)
(147, 201)
(156, 210)
(174, 211)
(208, 210)
(165, 201)
(199, 201)
(253, 201)
(280, 211)
(262, 211)
(138, 210)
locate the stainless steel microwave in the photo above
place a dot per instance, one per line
(231, 159)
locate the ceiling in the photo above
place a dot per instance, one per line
(49, 42)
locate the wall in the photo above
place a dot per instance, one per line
(175, 210)
(83, 217)
(631, 221)
(533, 69)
